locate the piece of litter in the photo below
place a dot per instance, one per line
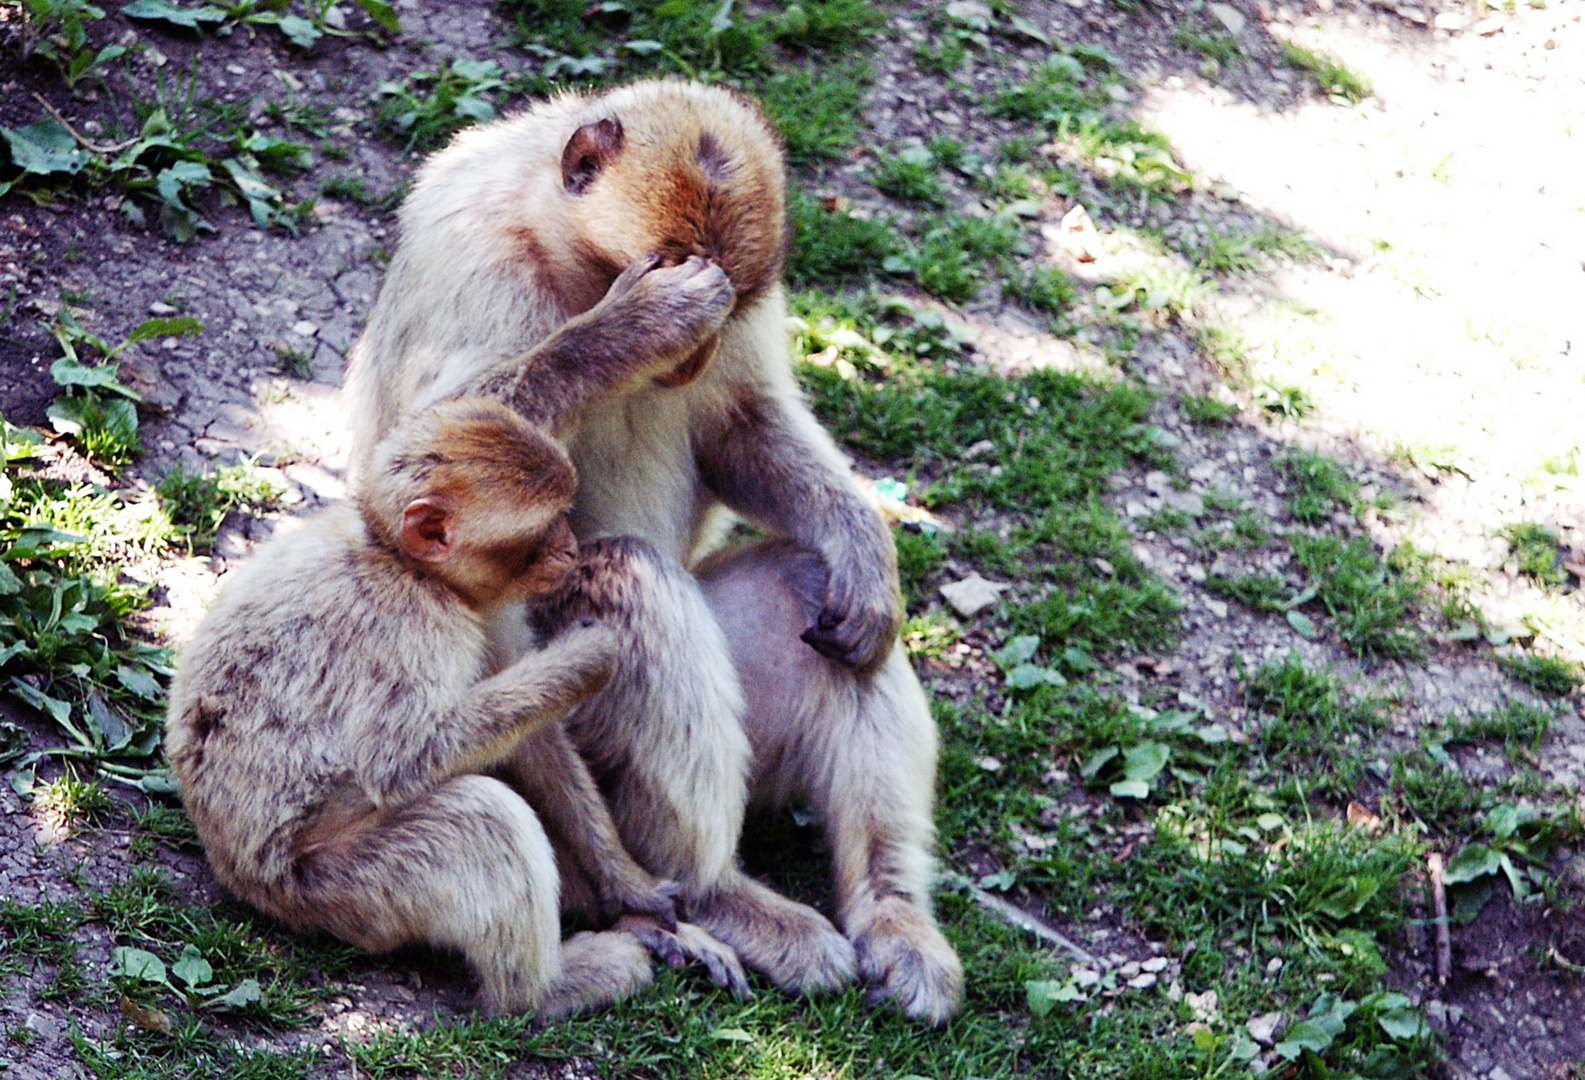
(972, 595)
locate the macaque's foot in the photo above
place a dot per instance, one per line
(596, 970)
(687, 943)
(909, 964)
(789, 943)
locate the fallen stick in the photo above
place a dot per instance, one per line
(1013, 915)
(1444, 939)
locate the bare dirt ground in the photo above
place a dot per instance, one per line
(1440, 339)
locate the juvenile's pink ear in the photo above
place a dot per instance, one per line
(591, 148)
(426, 532)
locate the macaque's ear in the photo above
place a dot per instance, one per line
(426, 532)
(591, 148)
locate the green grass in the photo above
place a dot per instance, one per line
(197, 503)
(1552, 675)
(1334, 77)
(1372, 603)
(1310, 728)
(1318, 486)
(1535, 549)
(910, 174)
(831, 247)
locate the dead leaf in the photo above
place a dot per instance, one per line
(146, 1017)
(1360, 818)
(1080, 236)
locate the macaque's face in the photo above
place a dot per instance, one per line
(502, 554)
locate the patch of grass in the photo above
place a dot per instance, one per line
(1319, 485)
(355, 189)
(832, 246)
(919, 556)
(1245, 531)
(833, 25)
(1535, 547)
(1057, 93)
(1334, 77)
(816, 109)
(190, 1051)
(1284, 399)
(1371, 603)
(1552, 675)
(1258, 592)
(42, 933)
(910, 174)
(1221, 48)
(941, 54)
(1044, 288)
(948, 259)
(423, 109)
(1312, 728)
(1236, 252)
(1224, 350)
(1517, 725)
(198, 502)
(1208, 410)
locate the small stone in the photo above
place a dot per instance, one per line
(1229, 17)
(1412, 14)
(1103, 566)
(1155, 965)
(1157, 482)
(972, 595)
(1142, 982)
(1448, 20)
(43, 1025)
(1186, 502)
(1263, 1029)
(1084, 978)
(305, 328)
(1196, 573)
(1129, 970)
(1274, 965)
(989, 764)
(160, 307)
(969, 12)
(1217, 608)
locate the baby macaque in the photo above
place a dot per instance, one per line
(333, 715)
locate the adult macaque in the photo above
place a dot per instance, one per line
(609, 266)
(332, 716)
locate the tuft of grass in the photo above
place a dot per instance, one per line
(1208, 410)
(1535, 547)
(816, 109)
(1044, 288)
(198, 502)
(1371, 603)
(423, 109)
(948, 260)
(910, 174)
(1221, 48)
(1320, 485)
(830, 247)
(1258, 592)
(1517, 725)
(1551, 675)
(1334, 77)
(1312, 728)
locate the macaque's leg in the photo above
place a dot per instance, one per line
(665, 740)
(862, 750)
(466, 865)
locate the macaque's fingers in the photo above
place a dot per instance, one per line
(629, 277)
(659, 902)
(859, 638)
(663, 943)
(719, 959)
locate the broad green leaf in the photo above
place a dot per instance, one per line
(45, 147)
(1130, 789)
(139, 681)
(245, 993)
(1045, 994)
(299, 31)
(68, 372)
(1505, 819)
(1475, 861)
(57, 710)
(166, 12)
(1302, 625)
(1025, 676)
(1098, 761)
(138, 964)
(732, 1035)
(382, 13)
(192, 968)
(1144, 762)
(174, 326)
(1351, 898)
(114, 732)
(1404, 1024)
(1315, 1034)
(158, 783)
(10, 584)
(1018, 650)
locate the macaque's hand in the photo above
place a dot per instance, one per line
(858, 623)
(580, 660)
(686, 943)
(671, 312)
(644, 896)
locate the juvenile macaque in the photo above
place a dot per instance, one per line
(609, 267)
(333, 714)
